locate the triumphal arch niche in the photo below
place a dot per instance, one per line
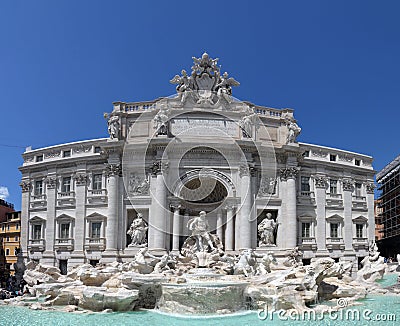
(201, 150)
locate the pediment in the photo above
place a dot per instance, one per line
(37, 219)
(335, 217)
(96, 216)
(64, 217)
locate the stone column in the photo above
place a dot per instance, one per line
(280, 236)
(243, 238)
(290, 222)
(78, 255)
(25, 235)
(348, 187)
(320, 198)
(370, 232)
(229, 228)
(220, 224)
(157, 218)
(176, 227)
(51, 197)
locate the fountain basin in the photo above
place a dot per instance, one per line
(203, 297)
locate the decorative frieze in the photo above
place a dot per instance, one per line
(138, 185)
(319, 153)
(288, 173)
(52, 154)
(267, 186)
(370, 186)
(51, 182)
(25, 186)
(345, 158)
(82, 149)
(81, 179)
(348, 184)
(321, 181)
(29, 159)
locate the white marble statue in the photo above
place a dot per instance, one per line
(246, 124)
(294, 258)
(247, 264)
(161, 122)
(264, 267)
(293, 130)
(266, 230)
(113, 127)
(200, 227)
(137, 231)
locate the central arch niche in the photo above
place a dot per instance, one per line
(204, 191)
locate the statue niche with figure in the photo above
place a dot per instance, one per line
(267, 231)
(137, 231)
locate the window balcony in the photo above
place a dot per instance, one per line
(359, 202)
(66, 198)
(95, 244)
(36, 244)
(306, 197)
(334, 243)
(360, 243)
(97, 196)
(38, 200)
(308, 243)
(64, 244)
(334, 200)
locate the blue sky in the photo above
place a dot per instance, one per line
(63, 63)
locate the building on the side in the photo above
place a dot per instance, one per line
(378, 219)
(389, 208)
(10, 234)
(5, 208)
(202, 150)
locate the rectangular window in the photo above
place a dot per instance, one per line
(332, 158)
(39, 158)
(7, 251)
(67, 153)
(305, 184)
(8, 227)
(334, 230)
(17, 226)
(357, 162)
(37, 231)
(16, 238)
(97, 181)
(66, 184)
(64, 230)
(359, 231)
(38, 188)
(333, 186)
(7, 239)
(306, 154)
(96, 227)
(97, 149)
(305, 230)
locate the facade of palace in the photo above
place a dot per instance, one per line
(202, 150)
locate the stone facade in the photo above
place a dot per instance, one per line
(202, 150)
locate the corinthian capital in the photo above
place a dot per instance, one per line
(113, 169)
(288, 173)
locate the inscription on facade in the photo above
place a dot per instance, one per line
(204, 127)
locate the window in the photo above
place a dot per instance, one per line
(37, 232)
(38, 188)
(97, 181)
(7, 251)
(334, 230)
(332, 158)
(333, 186)
(306, 154)
(2, 227)
(359, 230)
(358, 189)
(95, 228)
(39, 158)
(67, 153)
(64, 230)
(17, 226)
(305, 184)
(7, 239)
(66, 184)
(357, 162)
(8, 227)
(305, 229)
(97, 149)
